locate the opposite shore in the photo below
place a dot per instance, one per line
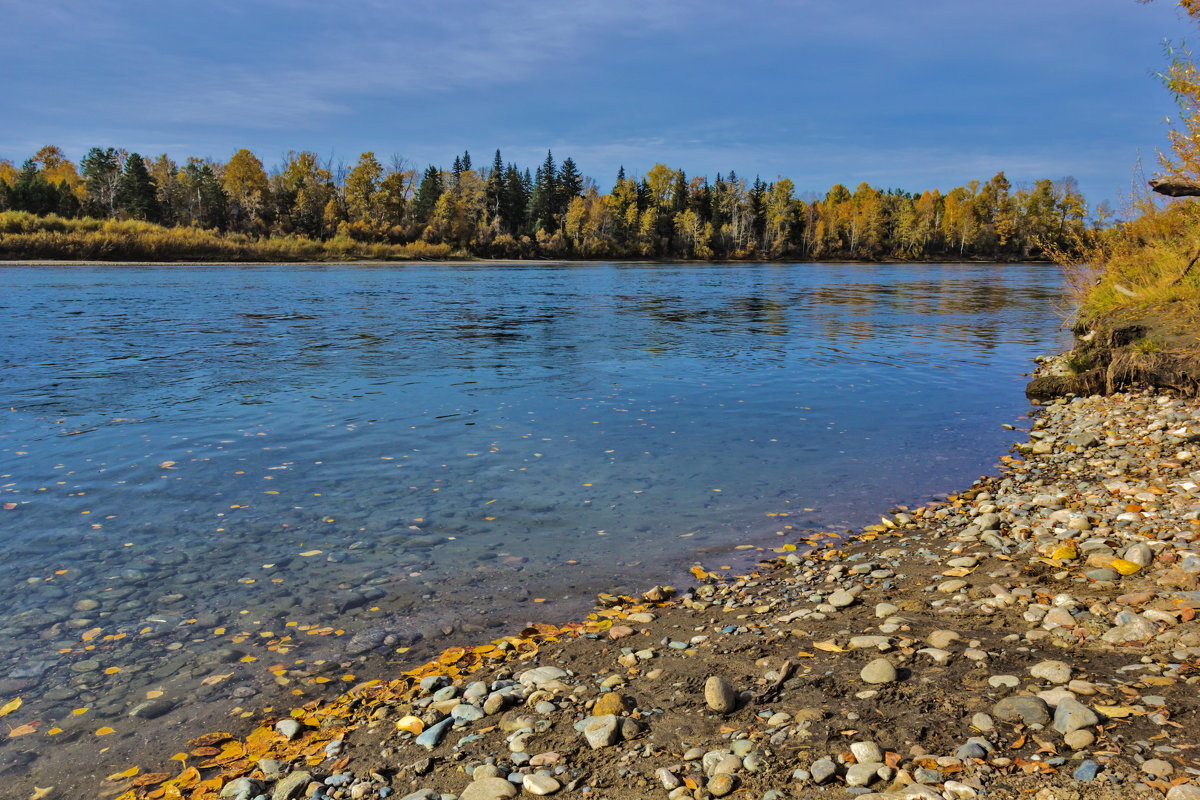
(1032, 636)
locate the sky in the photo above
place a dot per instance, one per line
(911, 94)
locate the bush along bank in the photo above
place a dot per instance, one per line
(1034, 636)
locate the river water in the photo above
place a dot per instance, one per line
(209, 471)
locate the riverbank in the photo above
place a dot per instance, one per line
(1033, 636)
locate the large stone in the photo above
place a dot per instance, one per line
(1052, 671)
(942, 639)
(489, 789)
(840, 599)
(1023, 709)
(540, 675)
(862, 774)
(240, 789)
(1184, 791)
(866, 752)
(719, 695)
(610, 703)
(822, 770)
(540, 784)
(878, 671)
(602, 731)
(432, 735)
(292, 786)
(1071, 715)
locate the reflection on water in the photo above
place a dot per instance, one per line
(209, 471)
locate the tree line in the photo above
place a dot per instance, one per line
(501, 210)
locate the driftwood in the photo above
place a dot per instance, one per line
(769, 694)
(1175, 187)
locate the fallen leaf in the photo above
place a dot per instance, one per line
(129, 773)
(829, 646)
(105, 731)
(308, 553)
(10, 706)
(22, 730)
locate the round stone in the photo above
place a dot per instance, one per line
(489, 789)
(719, 695)
(540, 784)
(878, 671)
(1052, 671)
(1080, 739)
(722, 784)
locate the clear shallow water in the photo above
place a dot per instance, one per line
(178, 443)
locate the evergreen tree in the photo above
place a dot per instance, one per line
(205, 204)
(101, 171)
(136, 193)
(568, 184)
(543, 204)
(33, 193)
(466, 161)
(428, 192)
(679, 193)
(494, 191)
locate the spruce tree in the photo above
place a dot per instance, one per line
(33, 193)
(136, 193)
(428, 192)
(101, 170)
(494, 191)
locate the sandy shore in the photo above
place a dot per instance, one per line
(1034, 636)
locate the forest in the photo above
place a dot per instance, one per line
(116, 204)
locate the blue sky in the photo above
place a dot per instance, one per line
(900, 93)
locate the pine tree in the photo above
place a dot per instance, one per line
(33, 193)
(136, 193)
(569, 184)
(428, 192)
(495, 191)
(543, 205)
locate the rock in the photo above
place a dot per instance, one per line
(1071, 715)
(601, 731)
(1184, 791)
(610, 703)
(1080, 739)
(840, 599)
(432, 736)
(719, 695)
(1158, 768)
(722, 784)
(667, 778)
(1137, 630)
(540, 784)
(1023, 709)
(1139, 554)
(288, 728)
(942, 639)
(865, 752)
(1086, 771)
(982, 722)
(950, 587)
(1052, 671)
(292, 786)
(619, 631)
(885, 610)
(495, 703)
(822, 770)
(489, 789)
(540, 675)
(862, 774)
(240, 789)
(878, 671)
(422, 794)
(152, 709)
(464, 713)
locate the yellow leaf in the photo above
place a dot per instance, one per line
(88, 635)
(120, 776)
(154, 694)
(112, 670)
(829, 647)
(166, 465)
(308, 553)
(1065, 553)
(247, 659)
(22, 730)
(1125, 567)
(212, 680)
(54, 732)
(1117, 712)
(44, 791)
(411, 724)
(10, 706)
(105, 731)
(179, 757)
(75, 712)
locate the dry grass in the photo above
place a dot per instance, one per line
(1138, 265)
(28, 236)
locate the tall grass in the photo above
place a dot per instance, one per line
(26, 236)
(1152, 261)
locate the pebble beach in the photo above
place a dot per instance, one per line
(1032, 636)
